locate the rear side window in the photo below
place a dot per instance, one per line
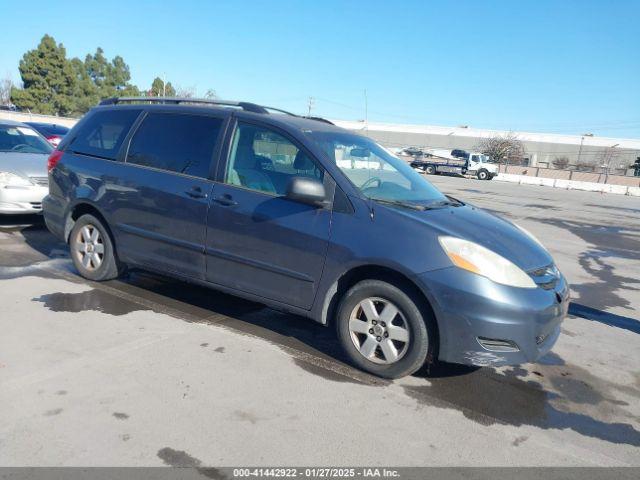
(103, 133)
(176, 142)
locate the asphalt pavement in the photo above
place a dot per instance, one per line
(149, 371)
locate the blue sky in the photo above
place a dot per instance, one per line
(550, 66)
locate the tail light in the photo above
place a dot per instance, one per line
(54, 158)
(54, 140)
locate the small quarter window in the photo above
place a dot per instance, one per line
(102, 134)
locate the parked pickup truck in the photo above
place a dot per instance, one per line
(457, 161)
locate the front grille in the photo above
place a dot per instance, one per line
(545, 277)
(42, 181)
(36, 205)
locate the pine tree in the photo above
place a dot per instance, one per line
(49, 80)
(158, 89)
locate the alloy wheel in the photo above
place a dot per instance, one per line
(379, 330)
(89, 247)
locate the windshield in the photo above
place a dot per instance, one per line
(19, 139)
(375, 172)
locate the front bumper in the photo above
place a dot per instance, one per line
(483, 323)
(20, 200)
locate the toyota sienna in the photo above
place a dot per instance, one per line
(304, 217)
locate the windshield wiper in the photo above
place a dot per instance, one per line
(398, 203)
(453, 202)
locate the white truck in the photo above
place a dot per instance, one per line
(456, 161)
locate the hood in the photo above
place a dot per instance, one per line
(25, 164)
(492, 232)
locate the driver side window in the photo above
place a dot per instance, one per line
(263, 160)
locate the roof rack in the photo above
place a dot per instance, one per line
(247, 106)
(320, 119)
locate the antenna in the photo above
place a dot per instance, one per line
(310, 105)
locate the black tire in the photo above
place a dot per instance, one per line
(430, 169)
(108, 267)
(417, 321)
(483, 174)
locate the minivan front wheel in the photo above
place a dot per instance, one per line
(382, 330)
(92, 250)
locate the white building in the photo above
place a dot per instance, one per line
(540, 148)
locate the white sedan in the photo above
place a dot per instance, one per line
(24, 180)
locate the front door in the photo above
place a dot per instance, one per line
(258, 241)
(163, 191)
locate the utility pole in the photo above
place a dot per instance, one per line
(609, 157)
(366, 111)
(580, 150)
(310, 105)
(581, 142)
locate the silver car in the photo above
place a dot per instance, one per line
(24, 180)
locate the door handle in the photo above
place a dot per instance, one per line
(196, 192)
(225, 201)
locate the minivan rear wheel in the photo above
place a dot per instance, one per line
(92, 249)
(382, 329)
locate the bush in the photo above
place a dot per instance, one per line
(586, 166)
(561, 163)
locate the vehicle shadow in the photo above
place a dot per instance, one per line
(10, 223)
(36, 236)
(248, 317)
(206, 305)
(243, 316)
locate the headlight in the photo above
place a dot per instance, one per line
(482, 261)
(8, 179)
(530, 235)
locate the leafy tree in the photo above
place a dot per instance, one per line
(49, 80)
(87, 93)
(159, 89)
(110, 78)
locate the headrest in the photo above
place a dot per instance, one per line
(245, 157)
(303, 162)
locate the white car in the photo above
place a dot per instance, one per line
(24, 179)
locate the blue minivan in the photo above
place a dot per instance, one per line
(305, 217)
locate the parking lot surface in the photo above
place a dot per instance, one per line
(152, 371)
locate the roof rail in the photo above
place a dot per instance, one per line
(320, 119)
(247, 106)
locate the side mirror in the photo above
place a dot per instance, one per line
(306, 190)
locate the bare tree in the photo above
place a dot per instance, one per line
(503, 148)
(6, 84)
(561, 163)
(211, 94)
(586, 165)
(185, 92)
